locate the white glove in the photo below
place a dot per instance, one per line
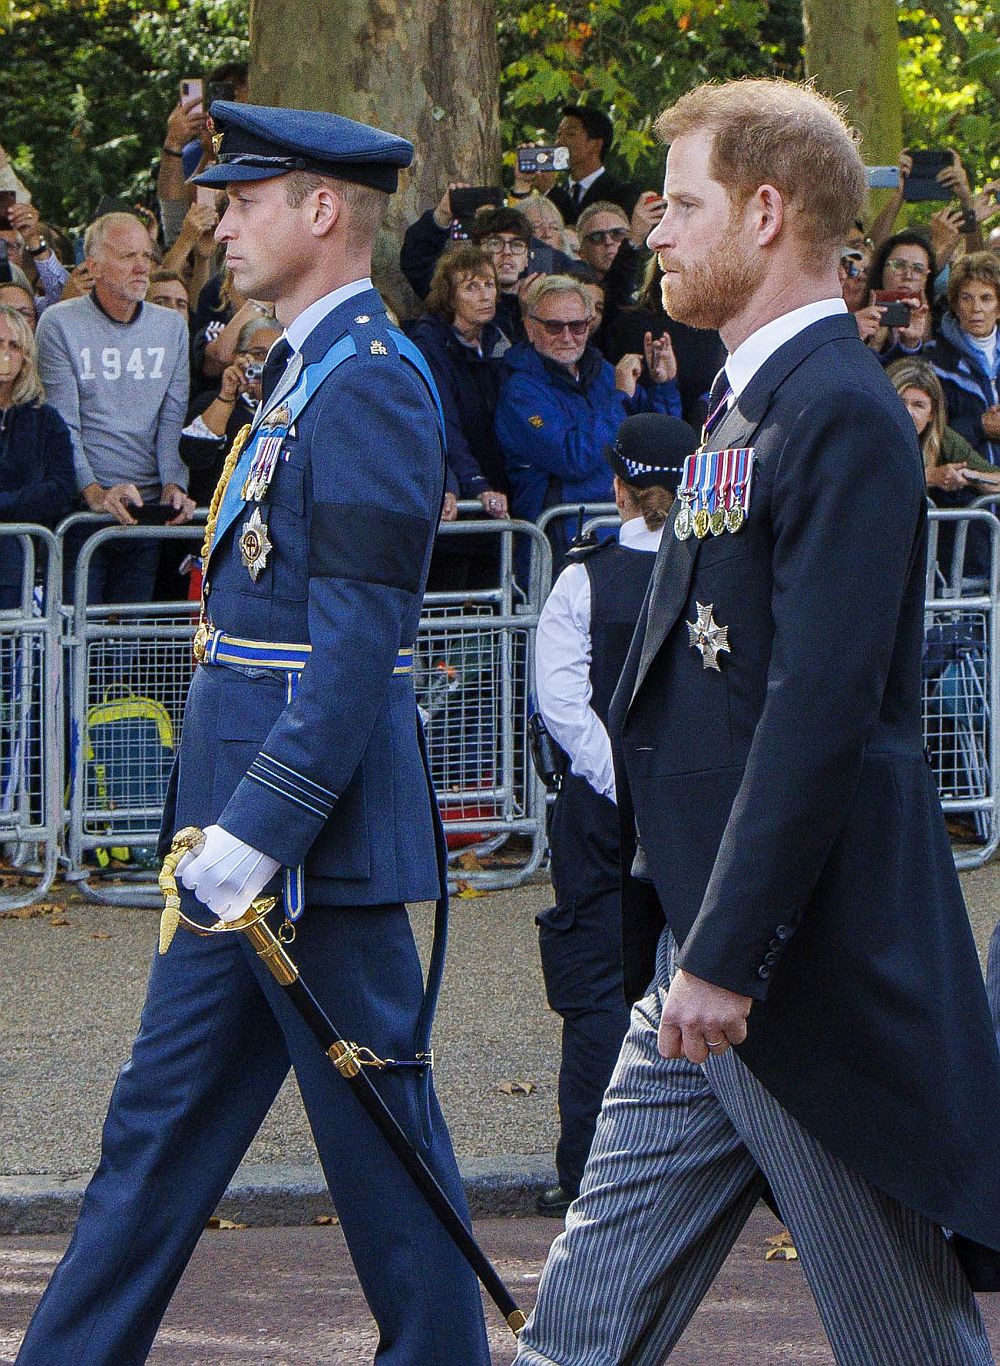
(226, 874)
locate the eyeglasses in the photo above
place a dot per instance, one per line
(515, 246)
(576, 327)
(608, 236)
(257, 355)
(902, 267)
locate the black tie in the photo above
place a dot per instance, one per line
(274, 368)
(717, 397)
(575, 195)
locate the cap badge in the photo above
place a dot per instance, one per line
(217, 142)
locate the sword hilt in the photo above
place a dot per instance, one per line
(250, 922)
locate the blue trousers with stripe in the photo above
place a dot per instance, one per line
(215, 1043)
(679, 1160)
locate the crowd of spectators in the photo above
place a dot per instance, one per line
(539, 311)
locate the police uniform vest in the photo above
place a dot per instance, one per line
(619, 578)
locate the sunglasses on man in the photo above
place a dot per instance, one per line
(605, 236)
(576, 327)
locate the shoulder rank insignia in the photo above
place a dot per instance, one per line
(254, 544)
(536, 421)
(379, 348)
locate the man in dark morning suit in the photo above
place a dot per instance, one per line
(812, 1013)
(301, 760)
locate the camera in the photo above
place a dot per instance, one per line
(253, 372)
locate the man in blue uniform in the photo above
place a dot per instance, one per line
(301, 760)
(584, 633)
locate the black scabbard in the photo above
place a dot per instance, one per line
(344, 1057)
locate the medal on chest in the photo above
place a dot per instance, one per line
(714, 492)
(262, 466)
(254, 544)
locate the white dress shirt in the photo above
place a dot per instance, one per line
(761, 345)
(296, 332)
(562, 667)
(586, 182)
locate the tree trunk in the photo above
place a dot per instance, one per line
(852, 49)
(428, 71)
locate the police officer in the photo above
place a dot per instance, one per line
(583, 637)
(301, 760)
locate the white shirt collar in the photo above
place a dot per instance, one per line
(310, 318)
(587, 180)
(761, 345)
(635, 535)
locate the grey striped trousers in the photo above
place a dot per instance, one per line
(677, 1165)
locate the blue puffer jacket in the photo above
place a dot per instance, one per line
(969, 388)
(553, 428)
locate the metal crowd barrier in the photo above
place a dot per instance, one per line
(120, 674)
(127, 668)
(473, 671)
(961, 683)
(30, 715)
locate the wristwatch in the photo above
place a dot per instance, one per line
(43, 246)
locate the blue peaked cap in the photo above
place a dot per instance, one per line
(259, 142)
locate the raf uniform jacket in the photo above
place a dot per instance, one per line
(334, 777)
(785, 813)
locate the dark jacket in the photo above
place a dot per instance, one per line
(787, 816)
(700, 353)
(423, 243)
(553, 428)
(968, 388)
(605, 187)
(469, 385)
(330, 774)
(205, 456)
(37, 482)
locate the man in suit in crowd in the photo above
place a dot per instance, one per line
(587, 134)
(812, 1011)
(301, 760)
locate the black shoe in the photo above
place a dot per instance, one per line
(554, 1202)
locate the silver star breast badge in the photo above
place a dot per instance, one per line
(254, 544)
(709, 638)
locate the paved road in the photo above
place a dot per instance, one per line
(287, 1297)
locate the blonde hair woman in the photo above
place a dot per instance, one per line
(950, 463)
(37, 483)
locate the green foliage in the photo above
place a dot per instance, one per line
(631, 57)
(90, 84)
(949, 76)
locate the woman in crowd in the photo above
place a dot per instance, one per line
(37, 483)
(462, 343)
(546, 222)
(965, 356)
(904, 263)
(216, 415)
(951, 465)
(19, 297)
(956, 474)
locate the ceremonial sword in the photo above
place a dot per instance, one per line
(348, 1058)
